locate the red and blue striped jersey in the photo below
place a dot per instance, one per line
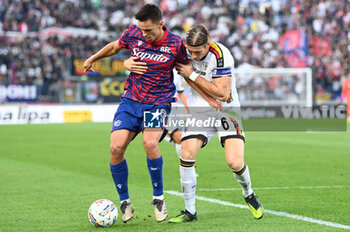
(156, 85)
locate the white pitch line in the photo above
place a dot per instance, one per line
(276, 188)
(277, 213)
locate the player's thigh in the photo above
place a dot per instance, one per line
(190, 148)
(176, 136)
(234, 152)
(152, 135)
(232, 138)
(127, 117)
(191, 142)
(229, 128)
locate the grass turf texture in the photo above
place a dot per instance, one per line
(50, 174)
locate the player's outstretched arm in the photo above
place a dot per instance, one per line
(219, 89)
(109, 50)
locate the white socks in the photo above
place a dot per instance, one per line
(188, 184)
(178, 149)
(243, 178)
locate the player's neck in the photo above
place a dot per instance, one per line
(207, 52)
(160, 36)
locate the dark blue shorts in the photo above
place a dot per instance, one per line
(137, 116)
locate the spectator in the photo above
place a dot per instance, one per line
(251, 29)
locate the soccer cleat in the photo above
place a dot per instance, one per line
(184, 216)
(255, 206)
(160, 211)
(127, 211)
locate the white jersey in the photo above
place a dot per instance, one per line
(181, 86)
(218, 63)
(178, 81)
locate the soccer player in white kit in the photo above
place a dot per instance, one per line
(211, 72)
(174, 133)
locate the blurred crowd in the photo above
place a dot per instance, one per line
(250, 28)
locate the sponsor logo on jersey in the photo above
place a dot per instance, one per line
(139, 43)
(220, 62)
(199, 72)
(149, 56)
(222, 72)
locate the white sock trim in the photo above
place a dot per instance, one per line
(161, 197)
(127, 200)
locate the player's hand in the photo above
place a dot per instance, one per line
(214, 103)
(184, 70)
(88, 66)
(133, 65)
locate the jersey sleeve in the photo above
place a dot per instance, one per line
(182, 54)
(224, 64)
(123, 40)
(177, 82)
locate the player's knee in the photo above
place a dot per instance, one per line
(117, 150)
(151, 146)
(235, 164)
(187, 155)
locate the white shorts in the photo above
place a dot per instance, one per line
(226, 124)
(178, 112)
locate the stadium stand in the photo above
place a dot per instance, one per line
(35, 50)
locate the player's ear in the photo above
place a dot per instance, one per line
(161, 23)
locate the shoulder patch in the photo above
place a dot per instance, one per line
(216, 50)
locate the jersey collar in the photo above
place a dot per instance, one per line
(166, 32)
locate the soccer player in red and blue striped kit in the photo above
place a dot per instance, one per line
(151, 43)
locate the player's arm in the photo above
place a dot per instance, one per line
(109, 50)
(133, 65)
(212, 102)
(219, 89)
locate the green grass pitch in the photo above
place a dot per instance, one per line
(50, 174)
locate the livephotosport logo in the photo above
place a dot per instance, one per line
(155, 119)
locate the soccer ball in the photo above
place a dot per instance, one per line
(103, 213)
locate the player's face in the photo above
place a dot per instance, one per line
(151, 31)
(198, 53)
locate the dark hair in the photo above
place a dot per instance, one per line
(149, 11)
(197, 36)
